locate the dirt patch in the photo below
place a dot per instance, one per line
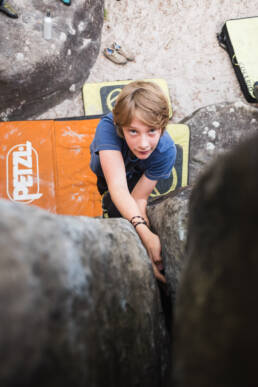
(174, 40)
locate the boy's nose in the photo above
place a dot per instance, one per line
(144, 144)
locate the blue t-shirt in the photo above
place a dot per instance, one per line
(156, 167)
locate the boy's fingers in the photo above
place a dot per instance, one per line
(159, 266)
(157, 259)
(158, 275)
(157, 262)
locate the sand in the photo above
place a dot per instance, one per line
(171, 39)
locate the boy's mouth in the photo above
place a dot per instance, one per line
(144, 153)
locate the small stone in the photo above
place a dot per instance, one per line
(72, 31)
(19, 56)
(81, 26)
(210, 147)
(212, 134)
(216, 124)
(72, 88)
(239, 104)
(63, 37)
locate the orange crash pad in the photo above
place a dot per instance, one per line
(46, 163)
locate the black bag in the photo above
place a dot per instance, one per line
(239, 37)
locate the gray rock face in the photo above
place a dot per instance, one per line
(35, 73)
(79, 303)
(169, 218)
(216, 336)
(91, 282)
(216, 129)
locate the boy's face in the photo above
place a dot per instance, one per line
(141, 138)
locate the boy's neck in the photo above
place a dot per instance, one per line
(132, 156)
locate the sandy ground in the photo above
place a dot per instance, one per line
(174, 40)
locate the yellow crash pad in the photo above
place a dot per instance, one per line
(179, 175)
(100, 98)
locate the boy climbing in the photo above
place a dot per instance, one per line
(131, 151)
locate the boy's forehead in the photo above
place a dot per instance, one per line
(137, 122)
(139, 119)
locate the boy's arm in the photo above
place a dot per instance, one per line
(141, 192)
(113, 167)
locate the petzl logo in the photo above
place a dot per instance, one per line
(22, 173)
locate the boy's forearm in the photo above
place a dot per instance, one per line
(126, 204)
(142, 204)
(129, 207)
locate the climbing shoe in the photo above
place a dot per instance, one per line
(114, 56)
(255, 90)
(8, 10)
(66, 2)
(123, 51)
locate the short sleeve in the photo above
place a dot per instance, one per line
(106, 137)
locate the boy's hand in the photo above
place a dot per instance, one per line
(152, 244)
(134, 204)
(160, 277)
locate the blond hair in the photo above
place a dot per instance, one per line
(143, 100)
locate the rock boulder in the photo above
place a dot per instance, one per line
(169, 218)
(216, 339)
(216, 129)
(79, 303)
(36, 74)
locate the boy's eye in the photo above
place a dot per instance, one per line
(153, 130)
(132, 131)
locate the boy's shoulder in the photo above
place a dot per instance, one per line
(108, 117)
(165, 144)
(106, 125)
(106, 137)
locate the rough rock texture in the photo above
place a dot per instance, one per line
(78, 295)
(79, 303)
(216, 336)
(36, 74)
(169, 217)
(215, 129)
(83, 293)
